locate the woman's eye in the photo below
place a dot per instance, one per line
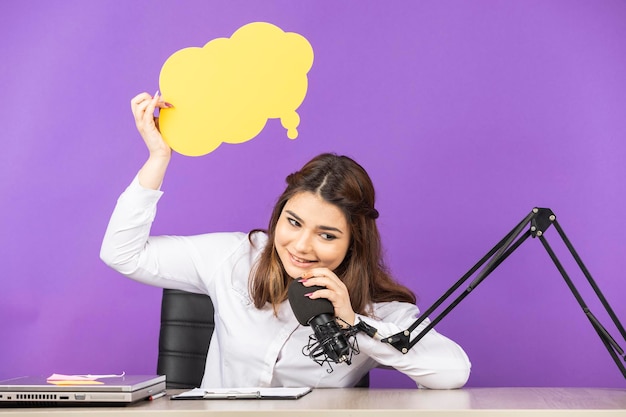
(293, 222)
(327, 236)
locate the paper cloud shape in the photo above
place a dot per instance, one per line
(226, 91)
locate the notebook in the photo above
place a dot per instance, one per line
(119, 390)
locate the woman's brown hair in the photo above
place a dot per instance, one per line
(343, 182)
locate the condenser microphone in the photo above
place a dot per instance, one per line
(330, 344)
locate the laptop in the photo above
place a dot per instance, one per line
(120, 390)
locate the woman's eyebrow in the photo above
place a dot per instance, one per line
(295, 216)
(330, 229)
(326, 228)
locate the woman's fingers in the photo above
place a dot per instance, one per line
(144, 105)
(139, 106)
(335, 291)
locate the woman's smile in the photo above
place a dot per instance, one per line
(300, 261)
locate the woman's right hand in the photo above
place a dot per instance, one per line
(153, 171)
(143, 106)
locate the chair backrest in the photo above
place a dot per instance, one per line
(186, 327)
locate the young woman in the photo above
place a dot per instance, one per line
(322, 232)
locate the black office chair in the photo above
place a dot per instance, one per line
(186, 328)
(187, 325)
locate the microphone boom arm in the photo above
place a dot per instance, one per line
(539, 220)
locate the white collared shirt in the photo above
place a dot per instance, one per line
(254, 347)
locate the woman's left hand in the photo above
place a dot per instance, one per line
(336, 292)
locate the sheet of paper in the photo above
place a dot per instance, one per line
(88, 379)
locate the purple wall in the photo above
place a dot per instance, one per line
(466, 114)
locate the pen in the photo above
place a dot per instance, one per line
(155, 396)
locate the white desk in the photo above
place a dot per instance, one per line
(355, 402)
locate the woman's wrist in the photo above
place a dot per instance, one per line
(153, 171)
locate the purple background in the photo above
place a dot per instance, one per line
(466, 114)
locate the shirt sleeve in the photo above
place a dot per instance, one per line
(182, 262)
(434, 362)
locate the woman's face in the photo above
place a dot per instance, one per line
(311, 233)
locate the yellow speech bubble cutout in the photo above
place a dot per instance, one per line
(228, 89)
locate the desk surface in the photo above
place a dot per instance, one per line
(362, 402)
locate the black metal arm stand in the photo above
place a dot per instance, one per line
(539, 219)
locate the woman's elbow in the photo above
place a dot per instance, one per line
(445, 379)
(107, 256)
(117, 260)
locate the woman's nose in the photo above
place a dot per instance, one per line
(303, 242)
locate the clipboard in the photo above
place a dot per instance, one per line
(252, 393)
